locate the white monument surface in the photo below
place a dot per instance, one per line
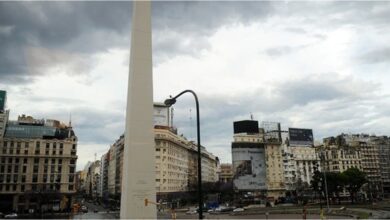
(138, 180)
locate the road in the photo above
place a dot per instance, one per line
(101, 213)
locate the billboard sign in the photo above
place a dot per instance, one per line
(300, 136)
(246, 126)
(249, 166)
(3, 99)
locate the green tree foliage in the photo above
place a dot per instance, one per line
(354, 181)
(351, 179)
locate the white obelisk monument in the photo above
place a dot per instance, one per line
(138, 180)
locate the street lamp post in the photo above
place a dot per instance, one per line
(170, 102)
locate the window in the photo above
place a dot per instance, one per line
(25, 160)
(74, 147)
(35, 170)
(22, 188)
(54, 145)
(25, 151)
(71, 178)
(61, 145)
(24, 169)
(23, 179)
(5, 143)
(35, 178)
(15, 178)
(36, 160)
(9, 160)
(70, 187)
(71, 170)
(47, 145)
(17, 160)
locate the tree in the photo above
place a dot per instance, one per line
(354, 181)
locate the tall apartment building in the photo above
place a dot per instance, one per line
(38, 162)
(93, 179)
(299, 158)
(383, 144)
(275, 171)
(176, 165)
(103, 188)
(299, 163)
(111, 170)
(360, 151)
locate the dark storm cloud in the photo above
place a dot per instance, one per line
(89, 27)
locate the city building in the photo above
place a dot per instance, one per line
(103, 188)
(37, 165)
(226, 174)
(300, 159)
(93, 179)
(249, 158)
(176, 165)
(360, 151)
(383, 144)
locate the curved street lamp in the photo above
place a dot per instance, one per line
(169, 102)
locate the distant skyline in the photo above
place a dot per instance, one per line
(321, 65)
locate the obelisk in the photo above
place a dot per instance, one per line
(138, 180)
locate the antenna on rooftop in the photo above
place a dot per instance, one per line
(70, 119)
(251, 115)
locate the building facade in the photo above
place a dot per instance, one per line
(38, 163)
(226, 174)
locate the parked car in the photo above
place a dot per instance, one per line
(12, 215)
(84, 208)
(238, 210)
(191, 212)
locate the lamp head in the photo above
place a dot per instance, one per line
(170, 102)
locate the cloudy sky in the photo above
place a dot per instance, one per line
(320, 65)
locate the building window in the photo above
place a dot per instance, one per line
(47, 145)
(35, 170)
(61, 145)
(22, 188)
(5, 143)
(74, 147)
(54, 145)
(25, 160)
(25, 151)
(23, 179)
(2, 169)
(9, 160)
(24, 169)
(70, 187)
(35, 178)
(36, 160)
